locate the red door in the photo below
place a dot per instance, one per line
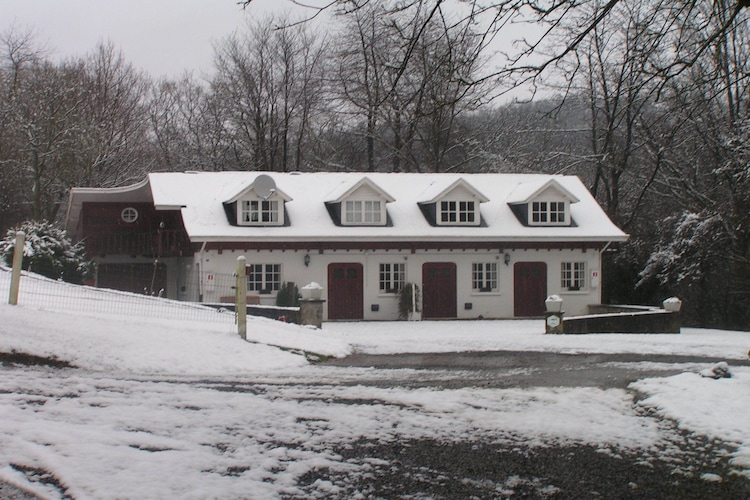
(345, 291)
(439, 290)
(529, 289)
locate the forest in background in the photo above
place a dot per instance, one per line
(647, 103)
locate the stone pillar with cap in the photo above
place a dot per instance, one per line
(311, 305)
(553, 316)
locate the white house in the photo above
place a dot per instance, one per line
(477, 245)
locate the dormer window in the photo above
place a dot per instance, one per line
(260, 212)
(542, 204)
(457, 212)
(454, 205)
(259, 204)
(548, 212)
(360, 204)
(363, 212)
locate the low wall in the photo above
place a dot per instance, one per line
(641, 320)
(288, 314)
(615, 308)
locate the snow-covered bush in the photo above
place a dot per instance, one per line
(686, 249)
(47, 251)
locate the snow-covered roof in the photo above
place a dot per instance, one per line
(201, 196)
(136, 193)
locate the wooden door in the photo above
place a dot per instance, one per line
(345, 291)
(529, 289)
(438, 290)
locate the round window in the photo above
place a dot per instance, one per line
(129, 214)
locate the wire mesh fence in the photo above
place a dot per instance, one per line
(43, 293)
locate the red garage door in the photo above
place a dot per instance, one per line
(439, 290)
(345, 291)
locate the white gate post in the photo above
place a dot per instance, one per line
(241, 298)
(15, 277)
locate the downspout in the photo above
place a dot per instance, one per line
(200, 272)
(601, 274)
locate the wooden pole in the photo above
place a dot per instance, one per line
(15, 277)
(241, 302)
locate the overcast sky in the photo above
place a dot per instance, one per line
(163, 37)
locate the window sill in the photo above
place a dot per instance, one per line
(457, 224)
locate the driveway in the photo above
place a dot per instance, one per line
(413, 426)
(524, 369)
(683, 466)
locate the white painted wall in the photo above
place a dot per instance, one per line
(486, 304)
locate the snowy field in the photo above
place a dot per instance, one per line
(157, 408)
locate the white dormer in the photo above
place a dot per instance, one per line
(259, 204)
(456, 205)
(547, 204)
(363, 204)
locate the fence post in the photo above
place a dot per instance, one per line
(15, 277)
(241, 300)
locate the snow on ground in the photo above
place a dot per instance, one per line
(173, 408)
(528, 335)
(135, 338)
(716, 408)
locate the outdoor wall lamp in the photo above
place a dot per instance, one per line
(507, 259)
(306, 259)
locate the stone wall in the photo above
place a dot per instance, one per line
(649, 321)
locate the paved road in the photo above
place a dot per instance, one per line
(523, 369)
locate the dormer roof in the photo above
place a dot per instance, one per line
(437, 191)
(251, 190)
(347, 189)
(527, 192)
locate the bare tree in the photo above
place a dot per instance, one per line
(542, 47)
(20, 52)
(114, 129)
(407, 114)
(704, 250)
(270, 82)
(364, 50)
(78, 122)
(188, 126)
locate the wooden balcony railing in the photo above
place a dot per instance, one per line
(164, 243)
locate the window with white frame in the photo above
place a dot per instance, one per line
(484, 276)
(457, 212)
(392, 277)
(260, 212)
(263, 278)
(129, 215)
(548, 212)
(573, 275)
(363, 212)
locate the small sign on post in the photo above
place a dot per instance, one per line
(15, 277)
(241, 300)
